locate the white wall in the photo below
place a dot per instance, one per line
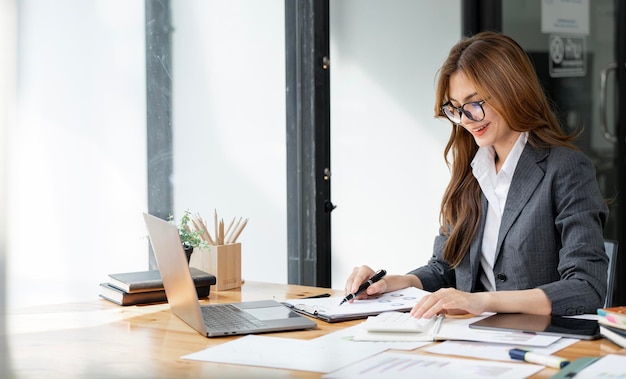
(76, 150)
(388, 172)
(8, 37)
(229, 123)
(76, 156)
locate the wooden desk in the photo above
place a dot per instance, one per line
(101, 339)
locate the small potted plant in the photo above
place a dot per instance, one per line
(190, 237)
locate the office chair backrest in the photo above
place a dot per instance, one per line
(611, 251)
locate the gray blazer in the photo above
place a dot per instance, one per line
(551, 236)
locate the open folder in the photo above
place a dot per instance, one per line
(329, 310)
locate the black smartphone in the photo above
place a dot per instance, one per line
(548, 325)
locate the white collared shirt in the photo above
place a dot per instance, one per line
(495, 187)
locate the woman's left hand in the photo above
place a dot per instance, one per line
(449, 301)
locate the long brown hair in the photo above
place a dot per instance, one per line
(503, 75)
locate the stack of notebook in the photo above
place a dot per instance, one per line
(143, 287)
(613, 324)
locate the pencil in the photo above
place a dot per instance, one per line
(229, 238)
(221, 242)
(201, 226)
(243, 225)
(217, 236)
(229, 228)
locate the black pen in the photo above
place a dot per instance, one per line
(377, 276)
(317, 296)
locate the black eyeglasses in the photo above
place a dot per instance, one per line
(472, 110)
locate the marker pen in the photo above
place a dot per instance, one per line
(546, 360)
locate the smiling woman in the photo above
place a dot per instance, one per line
(522, 217)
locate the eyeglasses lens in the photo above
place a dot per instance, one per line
(474, 111)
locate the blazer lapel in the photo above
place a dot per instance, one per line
(527, 176)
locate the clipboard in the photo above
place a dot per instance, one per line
(328, 309)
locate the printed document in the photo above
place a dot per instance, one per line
(411, 366)
(285, 353)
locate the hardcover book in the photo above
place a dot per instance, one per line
(612, 333)
(145, 281)
(120, 297)
(614, 316)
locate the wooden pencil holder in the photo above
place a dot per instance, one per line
(223, 261)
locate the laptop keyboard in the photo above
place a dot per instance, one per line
(226, 317)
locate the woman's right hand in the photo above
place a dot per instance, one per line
(386, 284)
(360, 275)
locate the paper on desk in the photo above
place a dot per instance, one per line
(347, 336)
(609, 366)
(493, 351)
(285, 353)
(411, 366)
(458, 329)
(425, 337)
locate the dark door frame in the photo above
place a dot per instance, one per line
(619, 294)
(307, 51)
(307, 135)
(481, 15)
(159, 111)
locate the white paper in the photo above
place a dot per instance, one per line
(411, 366)
(458, 329)
(286, 353)
(347, 337)
(394, 321)
(609, 366)
(492, 351)
(367, 336)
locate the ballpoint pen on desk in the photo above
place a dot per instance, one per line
(317, 296)
(438, 323)
(377, 276)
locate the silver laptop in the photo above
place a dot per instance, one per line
(212, 320)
